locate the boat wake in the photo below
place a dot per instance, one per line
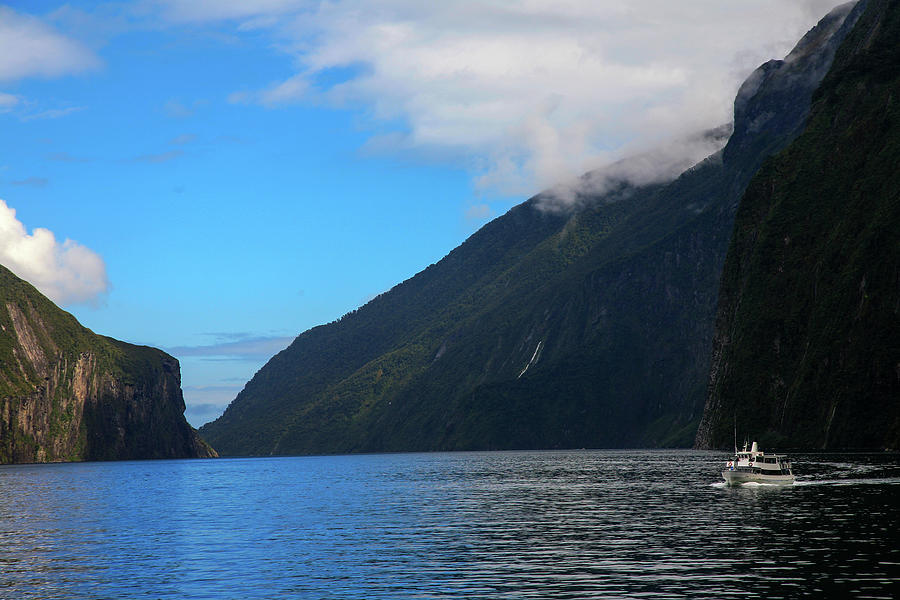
(813, 482)
(748, 484)
(854, 481)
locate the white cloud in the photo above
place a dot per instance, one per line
(32, 181)
(29, 48)
(159, 158)
(663, 162)
(204, 10)
(67, 272)
(7, 102)
(206, 403)
(478, 212)
(284, 92)
(525, 93)
(178, 110)
(54, 113)
(203, 403)
(237, 347)
(66, 157)
(183, 139)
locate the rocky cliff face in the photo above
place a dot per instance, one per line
(589, 327)
(807, 343)
(68, 394)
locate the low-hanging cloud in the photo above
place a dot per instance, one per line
(661, 163)
(525, 94)
(67, 272)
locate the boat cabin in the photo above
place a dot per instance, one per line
(756, 461)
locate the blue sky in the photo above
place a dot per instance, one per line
(214, 177)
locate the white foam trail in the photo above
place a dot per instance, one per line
(870, 481)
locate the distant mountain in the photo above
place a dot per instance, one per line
(807, 344)
(551, 327)
(68, 394)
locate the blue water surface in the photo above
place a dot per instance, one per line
(576, 524)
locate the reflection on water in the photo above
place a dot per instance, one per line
(586, 524)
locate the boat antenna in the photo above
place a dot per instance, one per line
(735, 434)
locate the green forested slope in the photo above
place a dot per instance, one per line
(807, 349)
(545, 329)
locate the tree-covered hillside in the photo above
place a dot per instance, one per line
(589, 327)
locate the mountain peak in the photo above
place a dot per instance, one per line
(776, 96)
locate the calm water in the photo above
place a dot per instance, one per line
(588, 524)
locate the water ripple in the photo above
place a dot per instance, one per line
(609, 524)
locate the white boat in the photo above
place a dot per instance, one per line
(756, 466)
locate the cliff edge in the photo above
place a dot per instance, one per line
(67, 394)
(806, 352)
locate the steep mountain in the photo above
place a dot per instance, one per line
(807, 343)
(588, 326)
(68, 394)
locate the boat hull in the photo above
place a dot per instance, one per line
(738, 477)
